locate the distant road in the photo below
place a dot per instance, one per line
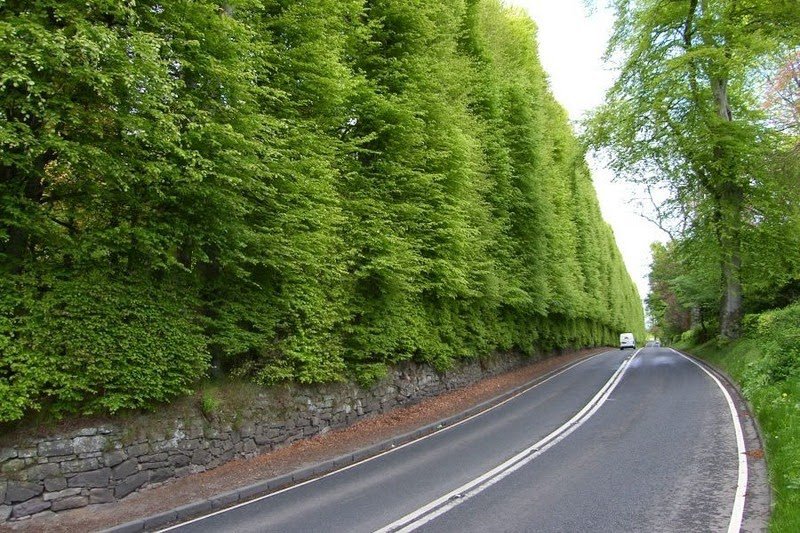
(623, 441)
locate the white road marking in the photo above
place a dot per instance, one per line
(441, 505)
(555, 374)
(735, 524)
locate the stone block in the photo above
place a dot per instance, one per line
(169, 444)
(20, 491)
(27, 453)
(90, 455)
(79, 465)
(55, 484)
(50, 496)
(262, 440)
(188, 445)
(5, 512)
(130, 484)
(30, 507)
(125, 469)
(184, 471)
(200, 457)
(250, 446)
(155, 466)
(226, 456)
(40, 472)
(114, 458)
(54, 448)
(59, 459)
(162, 474)
(153, 458)
(86, 432)
(101, 496)
(7, 453)
(12, 467)
(72, 502)
(179, 461)
(138, 449)
(93, 479)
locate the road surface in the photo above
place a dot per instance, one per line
(622, 441)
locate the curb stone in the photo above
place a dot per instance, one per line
(263, 488)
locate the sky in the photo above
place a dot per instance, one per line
(572, 41)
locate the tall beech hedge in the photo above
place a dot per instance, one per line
(287, 190)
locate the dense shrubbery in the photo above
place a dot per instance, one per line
(296, 191)
(778, 335)
(92, 342)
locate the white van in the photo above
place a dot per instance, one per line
(626, 340)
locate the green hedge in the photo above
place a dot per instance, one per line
(92, 344)
(303, 191)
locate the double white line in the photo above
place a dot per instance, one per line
(441, 505)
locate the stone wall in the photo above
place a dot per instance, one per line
(101, 463)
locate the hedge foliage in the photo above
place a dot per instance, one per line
(778, 335)
(293, 190)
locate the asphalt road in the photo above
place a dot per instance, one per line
(619, 442)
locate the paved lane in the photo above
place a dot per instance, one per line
(659, 454)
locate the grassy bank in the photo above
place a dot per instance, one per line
(766, 364)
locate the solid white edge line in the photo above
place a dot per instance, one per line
(556, 373)
(441, 505)
(741, 487)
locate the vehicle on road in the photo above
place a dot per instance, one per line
(626, 340)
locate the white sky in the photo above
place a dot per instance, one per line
(571, 45)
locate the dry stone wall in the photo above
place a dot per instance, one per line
(102, 463)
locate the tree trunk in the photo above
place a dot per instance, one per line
(730, 241)
(730, 205)
(29, 191)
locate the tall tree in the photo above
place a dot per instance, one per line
(683, 114)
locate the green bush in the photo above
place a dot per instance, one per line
(778, 333)
(690, 336)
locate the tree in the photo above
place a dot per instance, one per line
(683, 115)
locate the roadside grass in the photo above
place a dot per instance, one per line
(776, 405)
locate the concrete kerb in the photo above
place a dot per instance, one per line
(236, 496)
